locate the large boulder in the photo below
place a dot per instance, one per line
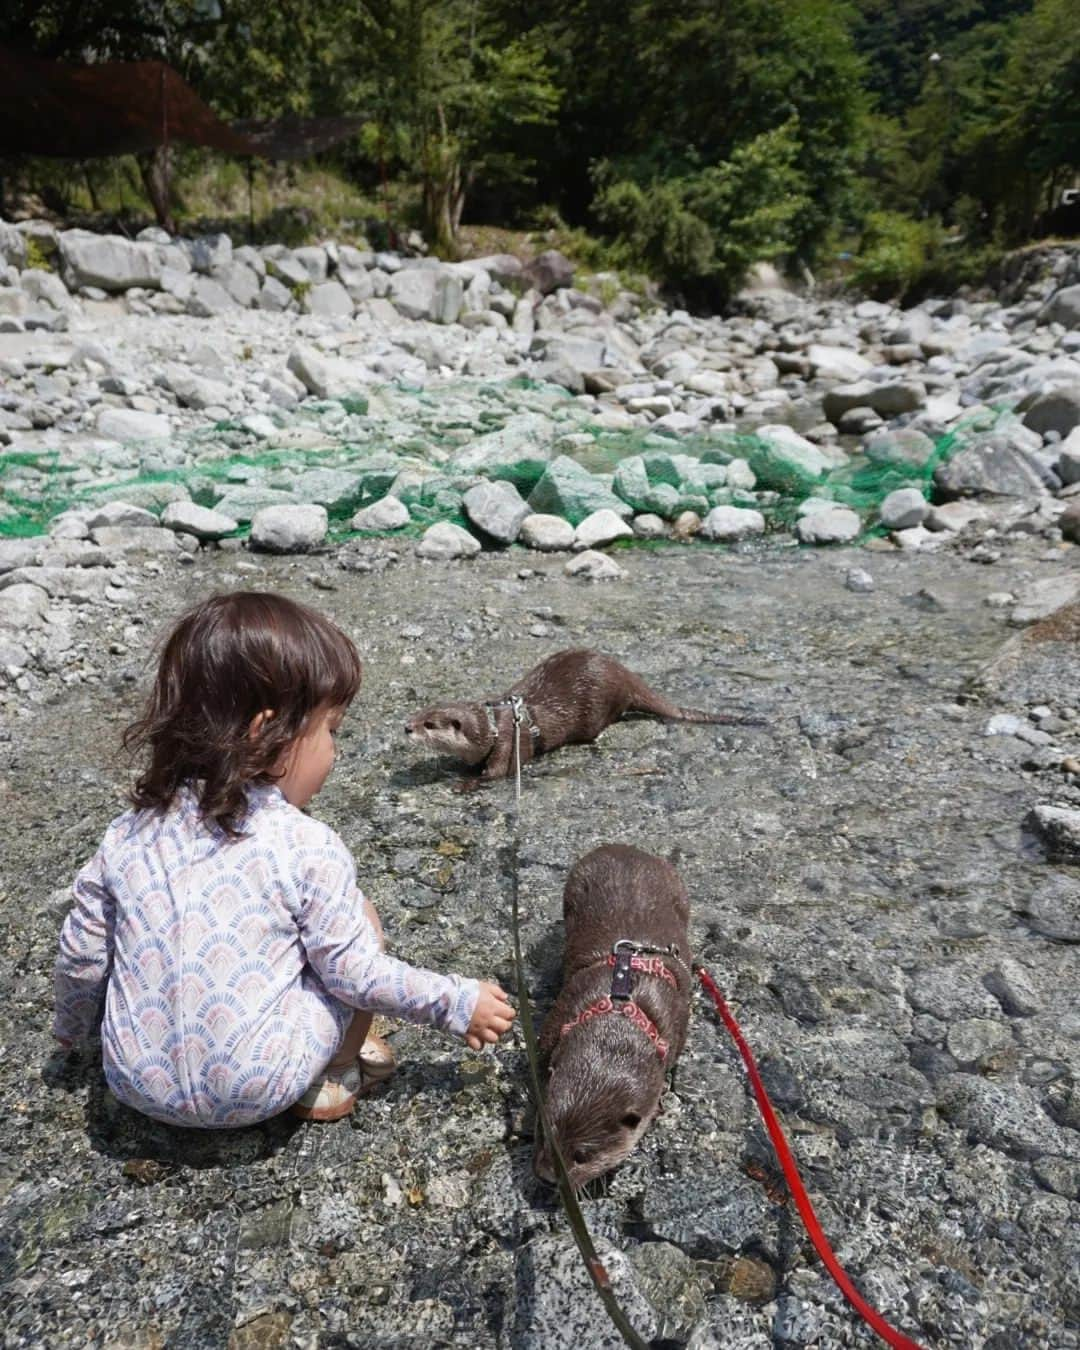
(602, 527)
(497, 509)
(546, 534)
(568, 490)
(127, 424)
(729, 523)
(113, 264)
(329, 299)
(551, 271)
(326, 376)
(903, 508)
(905, 446)
(1063, 307)
(387, 514)
(784, 460)
(1056, 410)
(427, 293)
(518, 452)
(289, 529)
(836, 525)
(1002, 464)
(445, 540)
(201, 521)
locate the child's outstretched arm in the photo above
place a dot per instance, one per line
(85, 957)
(342, 946)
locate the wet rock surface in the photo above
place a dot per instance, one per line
(898, 944)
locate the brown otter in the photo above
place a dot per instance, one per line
(568, 699)
(620, 1020)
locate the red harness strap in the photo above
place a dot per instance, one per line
(630, 1011)
(649, 965)
(806, 1210)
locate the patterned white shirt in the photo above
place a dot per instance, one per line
(230, 968)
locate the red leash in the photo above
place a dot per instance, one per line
(798, 1191)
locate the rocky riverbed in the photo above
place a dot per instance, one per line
(884, 879)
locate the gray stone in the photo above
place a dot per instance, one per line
(650, 526)
(199, 521)
(1059, 827)
(1004, 1116)
(1069, 523)
(210, 252)
(1042, 598)
(859, 581)
(905, 445)
(835, 363)
(195, 391)
(81, 585)
(113, 264)
(601, 527)
(387, 514)
(1068, 464)
(126, 424)
(836, 526)
(209, 298)
(550, 271)
(47, 287)
(242, 282)
(134, 539)
(566, 489)
(328, 299)
(1013, 988)
(274, 296)
(556, 1307)
(445, 541)
(730, 523)
(119, 513)
(324, 376)
(424, 293)
(242, 500)
(546, 534)
(593, 566)
(904, 507)
(496, 508)
(23, 606)
(312, 258)
(1063, 307)
(999, 465)
(289, 529)
(1057, 410)
(518, 452)
(973, 1038)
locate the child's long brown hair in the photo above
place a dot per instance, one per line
(227, 660)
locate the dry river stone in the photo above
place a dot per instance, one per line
(289, 529)
(903, 508)
(838, 526)
(387, 514)
(446, 540)
(496, 508)
(729, 523)
(201, 521)
(602, 527)
(546, 534)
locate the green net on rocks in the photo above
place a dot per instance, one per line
(428, 445)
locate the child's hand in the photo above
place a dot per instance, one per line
(493, 1016)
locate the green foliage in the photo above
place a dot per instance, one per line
(894, 254)
(37, 258)
(712, 224)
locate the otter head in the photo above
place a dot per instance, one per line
(604, 1090)
(458, 729)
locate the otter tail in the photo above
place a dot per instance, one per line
(649, 703)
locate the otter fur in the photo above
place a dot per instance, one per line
(606, 1076)
(569, 699)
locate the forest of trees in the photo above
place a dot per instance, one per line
(691, 136)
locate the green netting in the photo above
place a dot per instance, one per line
(430, 444)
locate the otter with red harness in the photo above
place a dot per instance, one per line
(620, 1020)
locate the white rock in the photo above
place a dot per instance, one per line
(200, 521)
(328, 299)
(835, 526)
(1042, 598)
(1005, 724)
(728, 523)
(326, 377)
(859, 581)
(649, 526)
(125, 424)
(107, 261)
(427, 293)
(601, 527)
(134, 539)
(497, 508)
(546, 534)
(445, 540)
(594, 566)
(902, 508)
(917, 539)
(387, 514)
(836, 363)
(120, 513)
(23, 606)
(289, 529)
(741, 475)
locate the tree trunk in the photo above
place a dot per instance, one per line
(154, 167)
